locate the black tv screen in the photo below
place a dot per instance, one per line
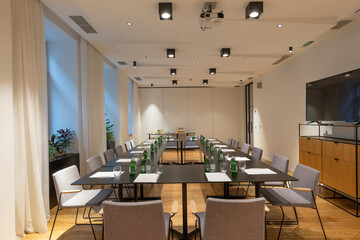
(335, 98)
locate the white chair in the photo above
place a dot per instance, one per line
(93, 163)
(119, 150)
(133, 143)
(235, 144)
(257, 153)
(109, 155)
(128, 146)
(74, 196)
(245, 148)
(229, 142)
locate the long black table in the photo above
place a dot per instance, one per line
(185, 174)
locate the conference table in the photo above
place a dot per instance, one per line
(184, 175)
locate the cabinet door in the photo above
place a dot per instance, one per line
(327, 171)
(304, 158)
(315, 161)
(350, 179)
(333, 149)
(339, 174)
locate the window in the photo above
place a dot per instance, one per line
(130, 104)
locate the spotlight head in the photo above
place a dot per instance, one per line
(174, 82)
(348, 74)
(134, 64)
(205, 82)
(212, 71)
(165, 11)
(254, 10)
(225, 52)
(151, 85)
(173, 71)
(241, 81)
(290, 49)
(170, 52)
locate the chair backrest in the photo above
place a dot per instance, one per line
(245, 148)
(280, 163)
(136, 220)
(119, 150)
(93, 163)
(109, 155)
(128, 146)
(63, 180)
(308, 178)
(257, 153)
(234, 219)
(230, 141)
(235, 144)
(133, 143)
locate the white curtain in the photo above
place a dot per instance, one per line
(92, 139)
(30, 117)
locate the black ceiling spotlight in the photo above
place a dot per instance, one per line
(205, 82)
(174, 82)
(241, 81)
(212, 71)
(152, 85)
(165, 11)
(290, 49)
(173, 71)
(254, 10)
(170, 52)
(225, 52)
(134, 64)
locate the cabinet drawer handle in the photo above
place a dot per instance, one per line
(336, 159)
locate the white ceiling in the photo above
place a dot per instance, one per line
(255, 44)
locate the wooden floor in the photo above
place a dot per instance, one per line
(338, 224)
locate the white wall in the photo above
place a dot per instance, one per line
(112, 100)
(123, 97)
(213, 112)
(280, 105)
(63, 108)
(7, 178)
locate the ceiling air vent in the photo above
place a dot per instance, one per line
(138, 78)
(283, 58)
(80, 20)
(122, 63)
(308, 43)
(340, 24)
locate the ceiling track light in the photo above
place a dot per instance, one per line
(291, 49)
(205, 82)
(173, 71)
(254, 10)
(151, 85)
(134, 64)
(225, 52)
(165, 11)
(174, 82)
(170, 52)
(212, 71)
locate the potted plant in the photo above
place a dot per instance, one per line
(60, 144)
(110, 139)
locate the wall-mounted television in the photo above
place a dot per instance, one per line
(335, 98)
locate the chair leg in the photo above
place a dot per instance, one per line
(297, 219)
(247, 190)
(52, 229)
(92, 227)
(282, 221)
(317, 211)
(102, 231)
(265, 228)
(195, 228)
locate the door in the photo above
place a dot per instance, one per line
(249, 114)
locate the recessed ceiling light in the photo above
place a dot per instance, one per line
(212, 71)
(165, 11)
(173, 71)
(170, 52)
(152, 85)
(196, 56)
(290, 49)
(129, 23)
(347, 74)
(241, 81)
(205, 82)
(254, 10)
(225, 52)
(174, 82)
(146, 56)
(279, 25)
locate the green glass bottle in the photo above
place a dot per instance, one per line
(156, 145)
(143, 165)
(168, 138)
(132, 167)
(233, 165)
(193, 138)
(145, 153)
(220, 154)
(211, 147)
(207, 164)
(207, 143)
(152, 148)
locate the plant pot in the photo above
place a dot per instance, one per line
(110, 144)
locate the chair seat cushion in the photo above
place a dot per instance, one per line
(201, 219)
(285, 197)
(167, 222)
(277, 184)
(87, 198)
(191, 145)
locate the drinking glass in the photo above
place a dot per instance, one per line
(160, 169)
(223, 166)
(242, 165)
(117, 171)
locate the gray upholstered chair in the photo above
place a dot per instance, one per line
(93, 163)
(256, 153)
(245, 148)
(230, 141)
(232, 219)
(137, 220)
(190, 144)
(235, 144)
(109, 155)
(172, 144)
(133, 143)
(281, 163)
(74, 196)
(301, 193)
(128, 146)
(119, 150)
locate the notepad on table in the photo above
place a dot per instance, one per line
(221, 146)
(124, 160)
(217, 177)
(242, 159)
(147, 178)
(102, 175)
(228, 150)
(147, 143)
(141, 147)
(136, 152)
(212, 139)
(258, 171)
